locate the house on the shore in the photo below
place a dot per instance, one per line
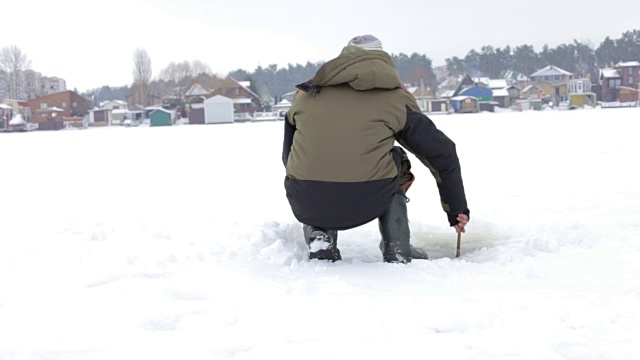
(245, 101)
(620, 83)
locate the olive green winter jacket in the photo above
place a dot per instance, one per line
(342, 169)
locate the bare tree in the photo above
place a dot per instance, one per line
(141, 77)
(198, 68)
(180, 75)
(14, 62)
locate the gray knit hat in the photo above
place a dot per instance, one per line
(367, 42)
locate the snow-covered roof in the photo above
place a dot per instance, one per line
(136, 108)
(448, 93)
(219, 99)
(463, 97)
(497, 83)
(449, 81)
(500, 92)
(119, 102)
(283, 104)
(609, 73)
(6, 107)
(50, 109)
(197, 89)
(628, 63)
(550, 70)
(164, 110)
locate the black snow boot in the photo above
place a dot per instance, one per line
(394, 228)
(416, 253)
(323, 243)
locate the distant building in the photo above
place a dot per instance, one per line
(197, 93)
(621, 82)
(506, 97)
(290, 96)
(580, 93)
(34, 85)
(465, 104)
(70, 103)
(550, 74)
(534, 92)
(244, 100)
(162, 117)
(218, 110)
(55, 85)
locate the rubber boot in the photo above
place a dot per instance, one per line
(394, 228)
(323, 243)
(416, 253)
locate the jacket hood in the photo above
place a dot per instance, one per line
(361, 69)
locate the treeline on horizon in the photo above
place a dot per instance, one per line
(578, 57)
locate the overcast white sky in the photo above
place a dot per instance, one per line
(90, 45)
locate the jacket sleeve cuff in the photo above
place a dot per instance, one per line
(453, 216)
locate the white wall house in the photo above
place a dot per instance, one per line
(282, 108)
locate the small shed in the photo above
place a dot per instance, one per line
(149, 109)
(501, 96)
(628, 94)
(437, 105)
(100, 117)
(464, 104)
(489, 106)
(583, 99)
(161, 117)
(218, 110)
(196, 114)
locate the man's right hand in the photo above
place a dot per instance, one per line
(462, 222)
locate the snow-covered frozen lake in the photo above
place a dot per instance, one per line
(178, 243)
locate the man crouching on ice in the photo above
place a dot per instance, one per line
(343, 168)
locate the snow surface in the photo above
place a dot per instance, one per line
(178, 243)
